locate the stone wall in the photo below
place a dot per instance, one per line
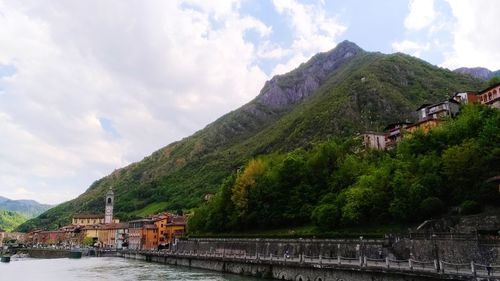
(303, 272)
(450, 250)
(277, 247)
(47, 253)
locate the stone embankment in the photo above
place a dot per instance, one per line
(329, 259)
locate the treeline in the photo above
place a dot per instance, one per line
(338, 183)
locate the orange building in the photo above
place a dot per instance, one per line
(425, 126)
(112, 235)
(150, 232)
(169, 227)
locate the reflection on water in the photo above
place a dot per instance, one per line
(105, 269)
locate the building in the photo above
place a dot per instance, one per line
(112, 236)
(490, 96)
(374, 140)
(169, 227)
(136, 233)
(108, 212)
(150, 232)
(2, 236)
(432, 115)
(91, 219)
(465, 97)
(87, 219)
(439, 110)
(424, 125)
(394, 133)
(176, 227)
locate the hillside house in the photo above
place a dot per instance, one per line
(374, 140)
(490, 96)
(465, 97)
(394, 133)
(439, 110)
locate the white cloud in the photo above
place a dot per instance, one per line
(422, 14)
(475, 34)
(156, 70)
(313, 31)
(410, 47)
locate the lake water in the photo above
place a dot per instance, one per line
(105, 269)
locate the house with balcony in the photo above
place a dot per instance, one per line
(490, 96)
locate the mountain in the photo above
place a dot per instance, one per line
(10, 220)
(478, 72)
(28, 208)
(338, 93)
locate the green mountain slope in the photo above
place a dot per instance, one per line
(339, 93)
(10, 220)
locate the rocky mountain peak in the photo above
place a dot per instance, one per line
(293, 87)
(477, 72)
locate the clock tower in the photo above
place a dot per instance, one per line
(108, 212)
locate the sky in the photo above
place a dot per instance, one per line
(87, 87)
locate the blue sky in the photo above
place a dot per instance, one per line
(81, 96)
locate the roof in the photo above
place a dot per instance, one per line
(88, 216)
(374, 133)
(141, 220)
(115, 226)
(150, 226)
(423, 106)
(393, 125)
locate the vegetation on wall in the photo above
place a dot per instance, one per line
(338, 183)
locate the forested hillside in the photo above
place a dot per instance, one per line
(337, 183)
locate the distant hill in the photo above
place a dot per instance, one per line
(478, 72)
(10, 220)
(335, 94)
(28, 208)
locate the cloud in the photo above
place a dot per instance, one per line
(313, 31)
(475, 36)
(94, 93)
(455, 33)
(422, 14)
(410, 47)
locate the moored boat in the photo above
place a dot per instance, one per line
(5, 259)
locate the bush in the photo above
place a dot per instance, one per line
(469, 207)
(430, 207)
(326, 216)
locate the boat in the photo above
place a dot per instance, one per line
(75, 254)
(5, 259)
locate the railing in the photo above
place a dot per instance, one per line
(410, 265)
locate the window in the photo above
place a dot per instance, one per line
(109, 200)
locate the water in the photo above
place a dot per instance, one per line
(105, 269)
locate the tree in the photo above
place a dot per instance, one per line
(494, 80)
(246, 180)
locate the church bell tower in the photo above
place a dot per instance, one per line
(108, 212)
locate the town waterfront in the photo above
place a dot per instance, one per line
(105, 269)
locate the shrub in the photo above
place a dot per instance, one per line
(431, 206)
(469, 207)
(326, 216)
